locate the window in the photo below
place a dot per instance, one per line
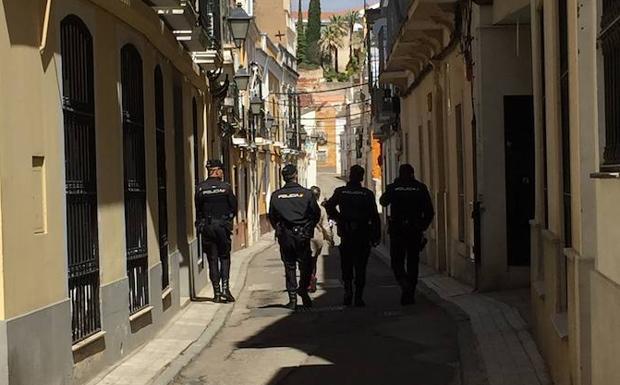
(78, 102)
(429, 146)
(421, 153)
(610, 43)
(565, 133)
(162, 187)
(200, 261)
(565, 122)
(460, 170)
(135, 177)
(544, 122)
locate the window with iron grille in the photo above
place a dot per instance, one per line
(200, 261)
(135, 177)
(566, 154)
(610, 43)
(78, 101)
(162, 186)
(460, 158)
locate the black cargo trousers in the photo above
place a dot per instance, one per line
(405, 247)
(216, 243)
(295, 250)
(354, 254)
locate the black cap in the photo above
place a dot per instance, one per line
(289, 171)
(214, 163)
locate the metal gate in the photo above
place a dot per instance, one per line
(135, 177)
(162, 189)
(80, 176)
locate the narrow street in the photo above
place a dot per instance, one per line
(383, 343)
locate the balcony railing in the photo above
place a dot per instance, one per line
(195, 23)
(396, 14)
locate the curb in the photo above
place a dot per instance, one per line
(168, 374)
(470, 369)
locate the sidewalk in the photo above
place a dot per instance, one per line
(159, 360)
(510, 355)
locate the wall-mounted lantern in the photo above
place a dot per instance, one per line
(256, 105)
(242, 78)
(239, 24)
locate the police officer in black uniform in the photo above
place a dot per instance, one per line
(294, 213)
(216, 207)
(354, 209)
(411, 215)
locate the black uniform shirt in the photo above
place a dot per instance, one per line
(354, 204)
(410, 201)
(293, 205)
(215, 199)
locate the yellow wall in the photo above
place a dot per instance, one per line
(34, 265)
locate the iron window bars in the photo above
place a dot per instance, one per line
(81, 177)
(162, 187)
(610, 43)
(135, 177)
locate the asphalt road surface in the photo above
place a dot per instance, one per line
(262, 343)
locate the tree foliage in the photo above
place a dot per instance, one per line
(313, 32)
(302, 45)
(331, 39)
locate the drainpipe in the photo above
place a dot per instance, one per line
(46, 22)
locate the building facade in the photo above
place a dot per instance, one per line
(465, 122)
(574, 272)
(110, 110)
(103, 123)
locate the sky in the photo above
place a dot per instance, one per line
(334, 5)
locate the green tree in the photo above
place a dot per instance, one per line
(331, 40)
(301, 36)
(313, 32)
(302, 45)
(352, 18)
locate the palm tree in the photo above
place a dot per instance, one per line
(352, 18)
(339, 22)
(331, 37)
(331, 40)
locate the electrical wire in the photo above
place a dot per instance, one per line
(320, 91)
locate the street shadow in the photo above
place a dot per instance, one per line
(382, 343)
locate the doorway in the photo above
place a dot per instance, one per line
(519, 152)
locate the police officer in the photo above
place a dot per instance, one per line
(411, 215)
(216, 206)
(294, 213)
(354, 209)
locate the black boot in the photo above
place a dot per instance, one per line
(226, 294)
(348, 293)
(217, 293)
(305, 298)
(292, 300)
(359, 296)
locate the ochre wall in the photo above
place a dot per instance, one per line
(35, 265)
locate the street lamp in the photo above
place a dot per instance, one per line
(269, 121)
(239, 24)
(256, 105)
(242, 78)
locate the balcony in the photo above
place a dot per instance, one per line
(197, 25)
(179, 15)
(417, 33)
